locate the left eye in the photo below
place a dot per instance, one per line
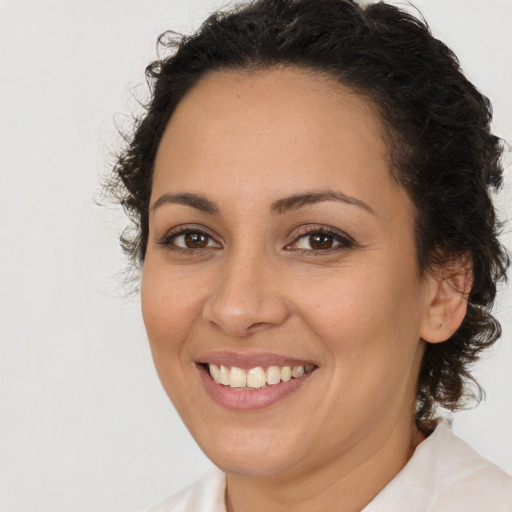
(321, 241)
(317, 242)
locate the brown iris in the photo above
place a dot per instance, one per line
(320, 241)
(196, 240)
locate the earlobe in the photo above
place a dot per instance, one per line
(449, 291)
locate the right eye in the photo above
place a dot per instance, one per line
(189, 239)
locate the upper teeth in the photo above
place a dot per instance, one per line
(257, 377)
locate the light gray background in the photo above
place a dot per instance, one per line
(84, 423)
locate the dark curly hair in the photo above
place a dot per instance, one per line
(437, 129)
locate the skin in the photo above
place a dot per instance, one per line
(359, 311)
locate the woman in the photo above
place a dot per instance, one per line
(310, 190)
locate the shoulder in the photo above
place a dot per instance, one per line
(446, 475)
(205, 495)
(468, 476)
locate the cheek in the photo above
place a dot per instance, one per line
(170, 306)
(360, 313)
(368, 326)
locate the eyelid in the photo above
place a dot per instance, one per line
(345, 241)
(183, 229)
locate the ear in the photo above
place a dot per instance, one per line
(448, 291)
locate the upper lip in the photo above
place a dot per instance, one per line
(248, 360)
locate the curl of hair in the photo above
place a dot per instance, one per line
(437, 130)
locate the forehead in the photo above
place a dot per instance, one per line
(276, 101)
(276, 130)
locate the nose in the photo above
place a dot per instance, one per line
(247, 297)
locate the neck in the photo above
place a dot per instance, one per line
(346, 484)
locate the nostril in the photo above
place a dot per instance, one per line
(259, 326)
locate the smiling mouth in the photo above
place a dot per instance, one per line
(255, 378)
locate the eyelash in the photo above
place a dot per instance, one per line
(343, 241)
(167, 240)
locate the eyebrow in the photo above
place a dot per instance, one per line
(297, 201)
(194, 200)
(280, 206)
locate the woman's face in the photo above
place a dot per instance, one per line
(279, 239)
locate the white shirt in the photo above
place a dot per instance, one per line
(443, 475)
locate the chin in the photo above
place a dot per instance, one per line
(254, 452)
(255, 465)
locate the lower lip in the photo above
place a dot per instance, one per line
(249, 399)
